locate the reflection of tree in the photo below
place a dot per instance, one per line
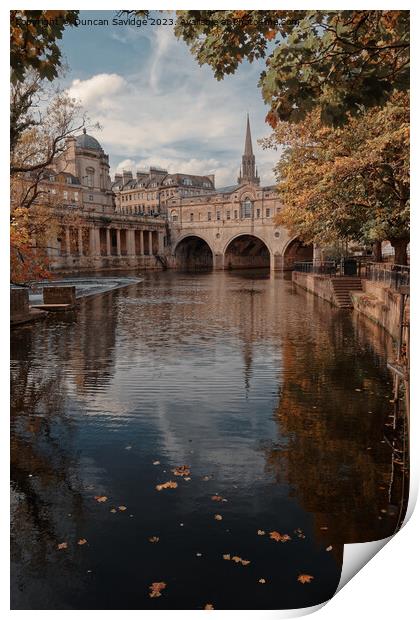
(42, 466)
(334, 459)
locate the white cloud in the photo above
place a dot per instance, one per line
(172, 113)
(93, 90)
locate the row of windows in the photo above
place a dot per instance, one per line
(245, 212)
(154, 195)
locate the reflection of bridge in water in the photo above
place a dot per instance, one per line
(233, 227)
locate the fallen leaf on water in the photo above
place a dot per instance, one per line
(305, 578)
(217, 498)
(187, 479)
(261, 580)
(154, 539)
(323, 528)
(206, 478)
(62, 545)
(261, 532)
(156, 462)
(226, 556)
(329, 548)
(238, 560)
(156, 588)
(113, 510)
(101, 498)
(357, 390)
(218, 517)
(82, 541)
(199, 554)
(182, 470)
(208, 606)
(279, 537)
(299, 533)
(122, 508)
(128, 447)
(167, 485)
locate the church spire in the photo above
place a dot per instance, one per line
(248, 174)
(248, 141)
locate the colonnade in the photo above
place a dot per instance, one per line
(110, 241)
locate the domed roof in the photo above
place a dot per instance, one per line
(85, 141)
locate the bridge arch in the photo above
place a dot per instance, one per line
(296, 251)
(246, 251)
(193, 253)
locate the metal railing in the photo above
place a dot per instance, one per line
(326, 267)
(388, 274)
(392, 276)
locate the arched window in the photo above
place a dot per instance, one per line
(246, 209)
(174, 215)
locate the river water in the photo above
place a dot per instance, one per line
(275, 401)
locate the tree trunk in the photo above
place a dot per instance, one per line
(400, 248)
(377, 251)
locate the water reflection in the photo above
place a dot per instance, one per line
(252, 384)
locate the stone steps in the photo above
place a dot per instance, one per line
(342, 286)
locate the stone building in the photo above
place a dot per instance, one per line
(233, 227)
(94, 234)
(149, 191)
(155, 219)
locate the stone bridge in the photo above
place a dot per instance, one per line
(234, 245)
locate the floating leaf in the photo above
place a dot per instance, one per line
(82, 541)
(305, 578)
(261, 532)
(218, 517)
(187, 479)
(324, 528)
(128, 447)
(208, 606)
(217, 498)
(167, 485)
(156, 462)
(182, 470)
(113, 510)
(261, 580)
(199, 554)
(62, 545)
(226, 556)
(206, 478)
(329, 548)
(122, 508)
(156, 589)
(279, 537)
(154, 539)
(239, 560)
(101, 498)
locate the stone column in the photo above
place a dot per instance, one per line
(108, 242)
(118, 242)
(150, 243)
(141, 243)
(160, 242)
(80, 241)
(131, 242)
(67, 232)
(93, 241)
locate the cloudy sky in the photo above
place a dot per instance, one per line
(157, 106)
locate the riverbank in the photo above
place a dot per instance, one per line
(377, 302)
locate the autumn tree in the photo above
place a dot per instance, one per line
(42, 118)
(335, 61)
(33, 42)
(349, 182)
